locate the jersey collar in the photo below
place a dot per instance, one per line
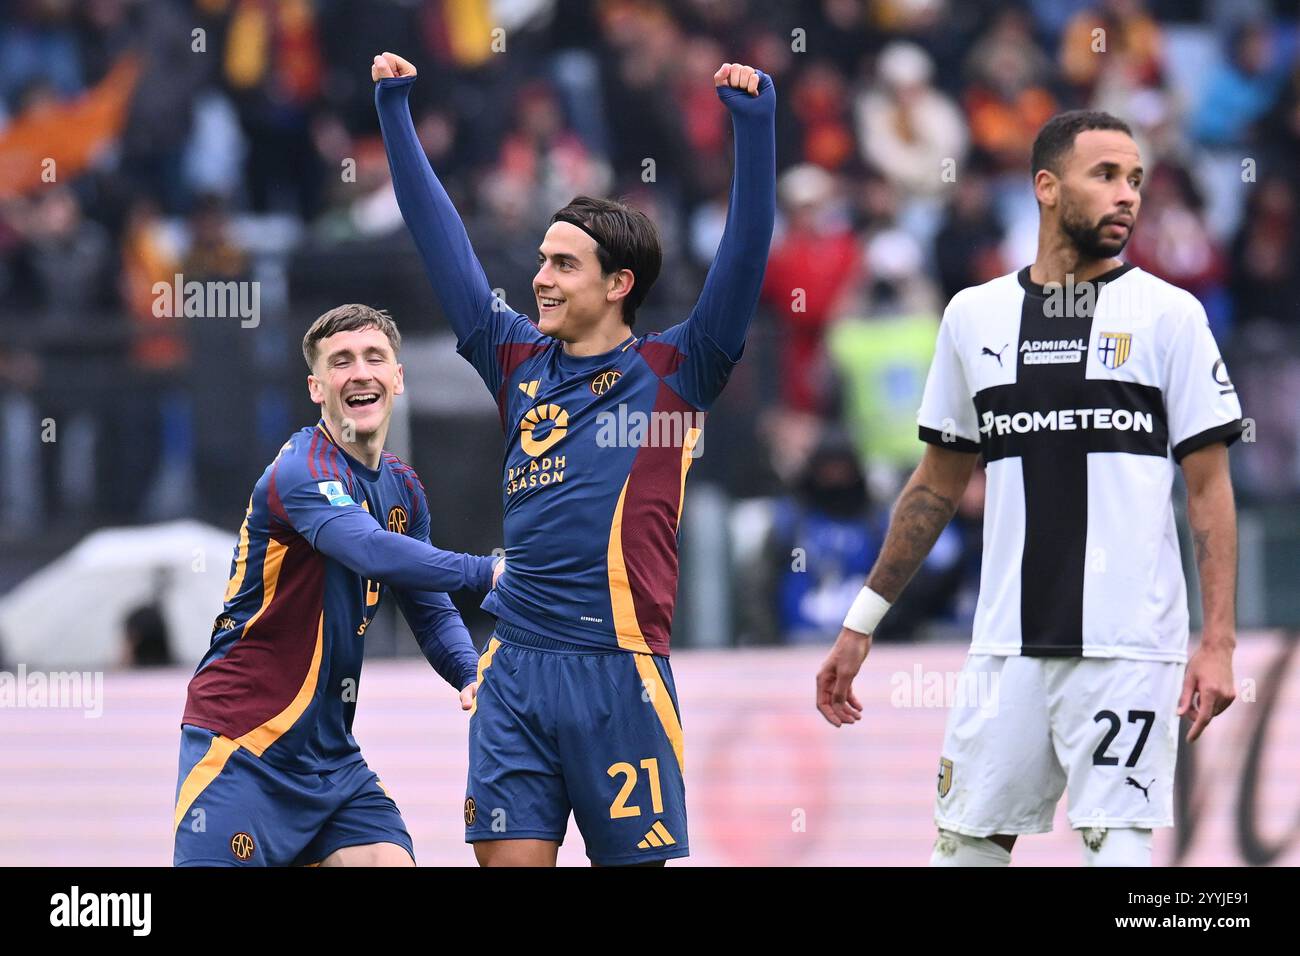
(1037, 289)
(578, 363)
(370, 474)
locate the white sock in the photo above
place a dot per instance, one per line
(1123, 846)
(957, 849)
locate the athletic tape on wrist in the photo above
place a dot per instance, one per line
(867, 610)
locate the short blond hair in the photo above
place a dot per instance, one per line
(349, 318)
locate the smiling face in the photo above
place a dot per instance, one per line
(573, 295)
(1096, 195)
(354, 378)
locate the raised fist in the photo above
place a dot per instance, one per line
(390, 64)
(737, 76)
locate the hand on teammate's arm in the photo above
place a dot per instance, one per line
(1208, 686)
(470, 691)
(926, 505)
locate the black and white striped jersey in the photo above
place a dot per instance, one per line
(1082, 398)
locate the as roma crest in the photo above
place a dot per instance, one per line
(397, 519)
(603, 382)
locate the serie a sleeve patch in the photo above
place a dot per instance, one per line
(335, 494)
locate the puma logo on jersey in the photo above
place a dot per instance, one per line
(997, 355)
(1133, 783)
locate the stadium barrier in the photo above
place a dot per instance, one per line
(768, 781)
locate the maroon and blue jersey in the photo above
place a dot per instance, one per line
(597, 448)
(597, 453)
(323, 539)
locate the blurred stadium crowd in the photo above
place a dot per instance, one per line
(236, 139)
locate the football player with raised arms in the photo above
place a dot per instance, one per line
(576, 705)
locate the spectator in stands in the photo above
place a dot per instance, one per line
(908, 131)
(1280, 130)
(815, 260)
(221, 384)
(158, 355)
(1241, 90)
(820, 101)
(1116, 37)
(967, 246)
(824, 538)
(273, 65)
(1007, 96)
(547, 159)
(66, 255)
(38, 40)
(1174, 242)
(1265, 255)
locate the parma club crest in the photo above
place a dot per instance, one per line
(1113, 348)
(945, 776)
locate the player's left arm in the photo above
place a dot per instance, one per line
(1208, 686)
(730, 294)
(1204, 418)
(437, 625)
(443, 638)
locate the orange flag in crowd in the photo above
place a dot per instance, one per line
(71, 134)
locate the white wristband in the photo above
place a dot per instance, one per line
(867, 610)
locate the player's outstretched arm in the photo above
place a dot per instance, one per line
(455, 272)
(1208, 687)
(442, 636)
(926, 505)
(354, 539)
(727, 302)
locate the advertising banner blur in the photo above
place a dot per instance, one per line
(88, 763)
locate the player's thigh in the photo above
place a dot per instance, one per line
(1115, 729)
(998, 773)
(233, 809)
(371, 854)
(365, 828)
(515, 789)
(622, 747)
(516, 852)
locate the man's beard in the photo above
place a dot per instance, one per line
(1087, 239)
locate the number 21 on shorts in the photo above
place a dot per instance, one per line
(619, 808)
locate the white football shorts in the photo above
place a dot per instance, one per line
(1023, 730)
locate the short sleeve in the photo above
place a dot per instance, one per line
(947, 414)
(1200, 400)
